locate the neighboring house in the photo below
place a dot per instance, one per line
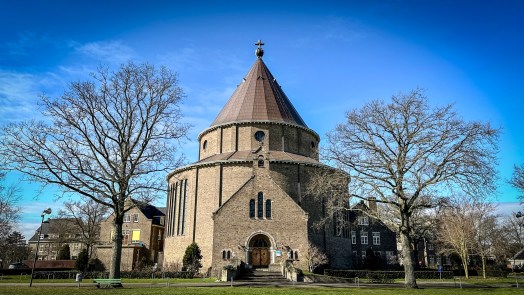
(517, 261)
(142, 237)
(54, 235)
(427, 256)
(373, 244)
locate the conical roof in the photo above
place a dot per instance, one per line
(259, 98)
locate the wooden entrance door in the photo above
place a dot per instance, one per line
(260, 257)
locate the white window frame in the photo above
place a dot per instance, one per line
(363, 220)
(364, 238)
(353, 237)
(127, 217)
(376, 238)
(135, 217)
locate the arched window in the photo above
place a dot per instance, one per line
(260, 161)
(268, 208)
(260, 205)
(204, 145)
(252, 208)
(224, 254)
(228, 254)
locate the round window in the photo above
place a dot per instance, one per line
(260, 135)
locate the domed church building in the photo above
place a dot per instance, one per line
(244, 200)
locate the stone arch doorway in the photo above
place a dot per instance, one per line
(259, 246)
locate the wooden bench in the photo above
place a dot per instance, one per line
(114, 283)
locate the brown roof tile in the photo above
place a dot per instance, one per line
(259, 98)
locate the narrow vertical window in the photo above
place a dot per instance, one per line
(296, 255)
(228, 254)
(179, 207)
(173, 213)
(184, 208)
(268, 208)
(260, 205)
(252, 208)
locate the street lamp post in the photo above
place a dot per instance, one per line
(46, 211)
(518, 215)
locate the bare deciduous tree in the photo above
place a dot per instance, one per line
(485, 222)
(109, 139)
(409, 155)
(457, 231)
(314, 257)
(513, 229)
(518, 179)
(87, 214)
(9, 211)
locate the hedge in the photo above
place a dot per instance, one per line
(386, 276)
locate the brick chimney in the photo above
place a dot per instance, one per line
(372, 204)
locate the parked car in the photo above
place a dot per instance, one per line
(18, 265)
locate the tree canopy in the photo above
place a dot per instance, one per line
(410, 156)
(110, 138)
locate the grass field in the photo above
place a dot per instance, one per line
(158, 286)
(26, 278)
(247, 291)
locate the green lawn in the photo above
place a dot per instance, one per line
(158, 286)
(26, 278)
(246, 291)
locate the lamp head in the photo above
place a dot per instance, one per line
(519, 214)
(47, 211)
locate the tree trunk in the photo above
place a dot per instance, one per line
(483, 266)
(114, 271)
(464, 258)
(407, 253)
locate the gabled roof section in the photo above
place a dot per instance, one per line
(259, 98)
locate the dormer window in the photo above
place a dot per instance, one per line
(363, 220)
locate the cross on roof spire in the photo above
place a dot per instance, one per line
(259, 52)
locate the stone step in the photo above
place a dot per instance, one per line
(262, 276)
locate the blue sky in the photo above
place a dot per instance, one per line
(329, 57)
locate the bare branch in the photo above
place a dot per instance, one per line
(110, 138)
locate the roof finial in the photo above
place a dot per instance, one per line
(259, 52)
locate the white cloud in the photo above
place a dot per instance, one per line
(114, 51)
(18, 96)
(508, 208)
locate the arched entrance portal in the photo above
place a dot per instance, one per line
(259, 246)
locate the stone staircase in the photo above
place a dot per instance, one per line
(262, 277)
